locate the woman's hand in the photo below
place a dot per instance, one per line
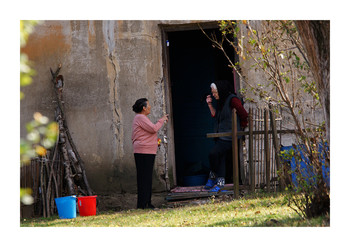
(209, 99)
(165, 117)
(210, 105)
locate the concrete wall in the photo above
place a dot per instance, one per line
(106, 65)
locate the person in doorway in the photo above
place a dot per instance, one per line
(222, 91)
(145, 144)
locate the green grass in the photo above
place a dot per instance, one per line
(268, 210)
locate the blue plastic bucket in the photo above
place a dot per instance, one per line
(66, 207)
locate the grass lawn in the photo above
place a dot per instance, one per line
(267, 210)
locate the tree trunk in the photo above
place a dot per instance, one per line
(316, 39)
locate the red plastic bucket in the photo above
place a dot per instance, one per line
(87, 205)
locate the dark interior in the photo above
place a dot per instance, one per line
(194, 65)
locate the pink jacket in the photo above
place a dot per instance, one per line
(144, 134)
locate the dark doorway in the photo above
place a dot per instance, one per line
(194, 64)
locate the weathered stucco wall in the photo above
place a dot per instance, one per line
(106, 65)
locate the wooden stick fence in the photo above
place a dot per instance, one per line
(263, 149)
(44, 176)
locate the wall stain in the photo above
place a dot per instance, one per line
(52, 42)
(92, 34)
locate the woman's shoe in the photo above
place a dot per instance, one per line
(219, 185)
(216, 188)
(210, 183)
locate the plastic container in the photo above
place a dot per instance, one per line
(66, 207)
(87, 205)
(306, 173)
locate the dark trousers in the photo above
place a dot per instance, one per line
(217, 157)
(144, 169)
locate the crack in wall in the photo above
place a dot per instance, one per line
(117, 115)
(112, 70)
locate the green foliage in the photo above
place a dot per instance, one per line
(273, 50)
(309, 88)
(309, 193)
(42, 135)
(26, 27)
(25, 195)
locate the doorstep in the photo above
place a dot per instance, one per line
(181, 193)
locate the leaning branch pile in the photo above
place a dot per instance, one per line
(61, 171)
(75, 176)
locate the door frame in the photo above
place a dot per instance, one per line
(165, 29)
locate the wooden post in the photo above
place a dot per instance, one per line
(235, 154)
(251, 162)
(259, 151)
(267, 149)
(275, 143)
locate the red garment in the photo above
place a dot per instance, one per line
(242, 113)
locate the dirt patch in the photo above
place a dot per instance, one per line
(126, 201)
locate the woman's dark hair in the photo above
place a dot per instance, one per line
(139, 104)
(225, 88)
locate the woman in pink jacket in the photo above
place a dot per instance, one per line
(145, 144)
